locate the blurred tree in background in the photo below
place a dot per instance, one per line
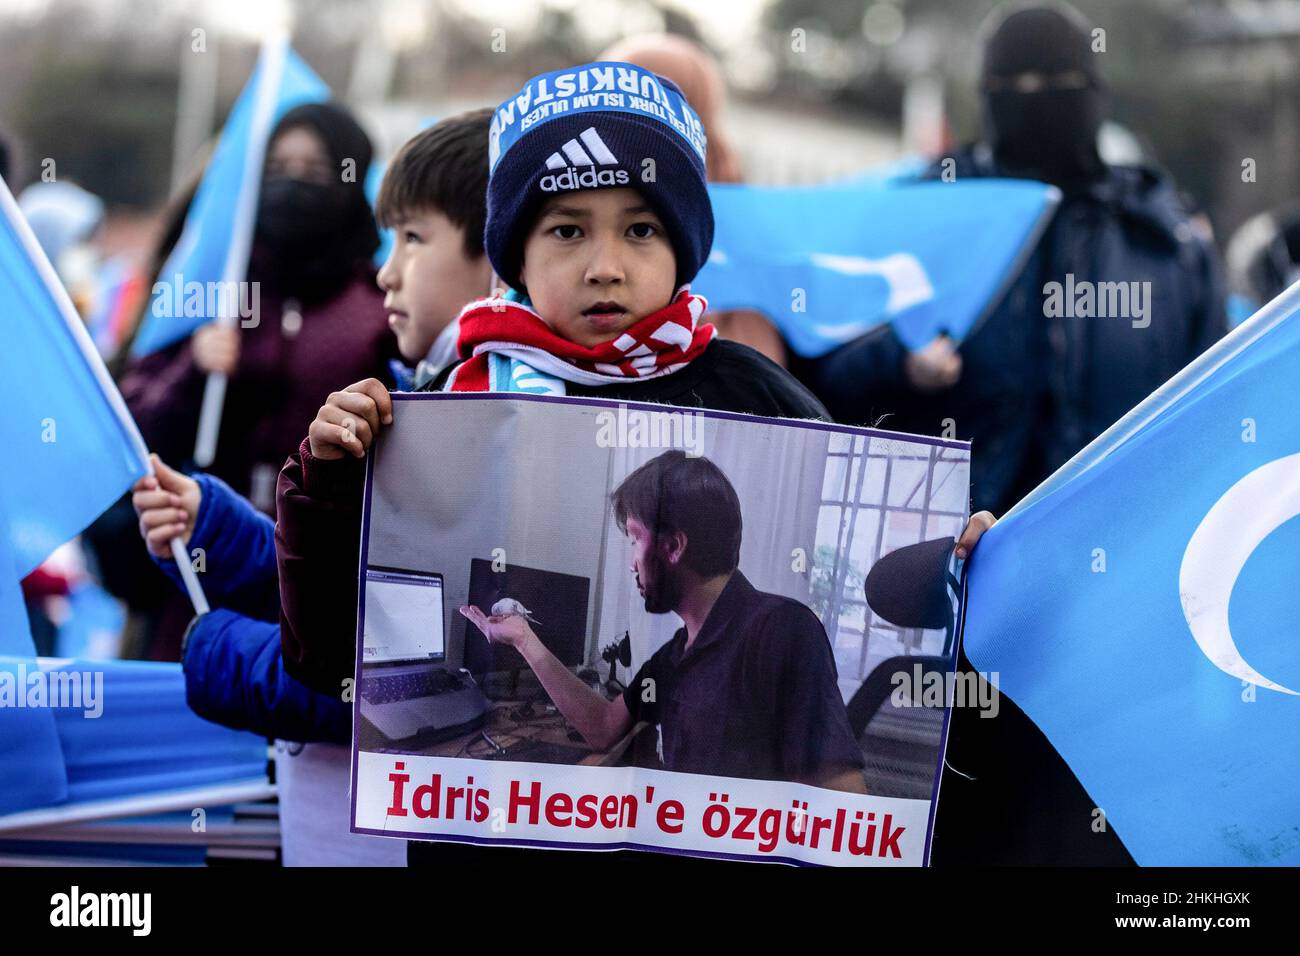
(1203, 85)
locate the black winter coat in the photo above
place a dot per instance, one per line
(1035, 388)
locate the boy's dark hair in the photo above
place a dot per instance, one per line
(444, 167)
(676, 493)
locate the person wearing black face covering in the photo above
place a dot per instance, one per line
(1033, 386)
(320, 319)
(1028, 386)
(1044, 99)
(313, 233)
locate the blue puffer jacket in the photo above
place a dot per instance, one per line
(1036, 387)
(234, 674)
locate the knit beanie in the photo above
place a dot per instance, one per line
(1050, 39)
(594, 126)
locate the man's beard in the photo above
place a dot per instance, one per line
(663, 590)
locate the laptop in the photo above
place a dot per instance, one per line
(407, 693)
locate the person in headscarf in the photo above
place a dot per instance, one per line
(62, 215)
(1044, 99)
(1263, 258)
(320, 320)
(315, 233)
(319, 323)
(696, 73)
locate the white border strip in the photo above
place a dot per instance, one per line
(220, 794)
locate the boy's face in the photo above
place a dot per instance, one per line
(654, 564)
(595, 262)
(428, 279)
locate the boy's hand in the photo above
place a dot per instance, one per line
(935, 367)
(349, 420)
(512, 629)
(980, 522)
(216, 348)
(167, 504)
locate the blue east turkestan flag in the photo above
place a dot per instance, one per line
(72, 450)
(75, 731)
(830, 263)
(1142, 608)
(214, 224)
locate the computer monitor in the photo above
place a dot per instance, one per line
(404, 620)
(558, 605)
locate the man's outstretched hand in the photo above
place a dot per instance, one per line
(512, 629)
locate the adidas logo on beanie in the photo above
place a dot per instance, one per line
(595, 126)
(574, 152)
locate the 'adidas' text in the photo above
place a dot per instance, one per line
(587, 179)
(587, 149)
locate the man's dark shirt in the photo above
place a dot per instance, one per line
(754, 697)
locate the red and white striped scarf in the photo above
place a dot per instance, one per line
(658, 344)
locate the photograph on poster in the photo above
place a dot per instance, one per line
(665, 590)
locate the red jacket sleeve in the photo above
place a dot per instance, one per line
(318, 547)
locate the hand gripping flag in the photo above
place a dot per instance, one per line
(1142, 607)
(830, 263)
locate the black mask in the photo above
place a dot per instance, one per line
(1043, 99)
(305, 243)
(1049, 135)
(296, 217)
(313, 239)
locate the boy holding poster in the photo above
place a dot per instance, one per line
(598, 211)
(598, 219)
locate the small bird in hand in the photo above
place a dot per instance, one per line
(508, 606)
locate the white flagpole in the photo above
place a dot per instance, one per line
(90, 354)
(196, 104)
(271, 62)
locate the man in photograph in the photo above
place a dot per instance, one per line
(747, 686)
